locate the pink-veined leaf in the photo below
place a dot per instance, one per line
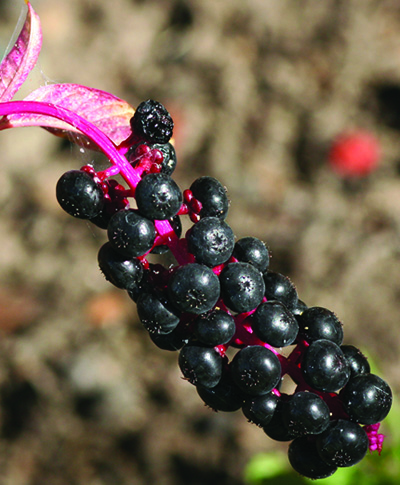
(107, 112)
(19, 62)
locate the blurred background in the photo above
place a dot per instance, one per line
(259, 91)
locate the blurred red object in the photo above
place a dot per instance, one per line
(355, 154)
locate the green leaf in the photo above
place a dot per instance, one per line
(264, 466)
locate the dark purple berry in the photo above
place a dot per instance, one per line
(252, 250)
(279, 287)
(275, 428)
(156, 314)
(176, 225)
(194, 288)
(225, 396)
(79, 195)
(158, 197)
(304, 458)
(357, 361)
(305, 413)
(130, 233)
(212, 195)
(242, 287)
(211, 241)
(318, 323)
(325, 367)
(171, 341)
(215, 328)
(274, 324)
(125, 273)
(152, 122)
(367, 399)
(260, 409)
(256, 370)
(200, 365)
(343, 444)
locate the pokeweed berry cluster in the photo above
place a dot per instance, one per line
(222, 295)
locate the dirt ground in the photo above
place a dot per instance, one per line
(258, 90)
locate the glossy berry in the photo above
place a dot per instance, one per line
(305, 459)
(156, 314)
(354, 154)
(171, 341)
(318, 323)
(357, 361)
(276, 428)
(305, 413)
(130, 233)
(212, 195)
(367, 399)
(342, 444)
(274, 324)
(225, 396)
(200, 365)
(279, 287)
(252, 250)
(325, 367)
(260, 409)
(125, 273)
(79, 195)
(194, 288)
(152, 122)
(158, 197)
(215, 328)
(256, 370)
(242, 287)
(211, 241)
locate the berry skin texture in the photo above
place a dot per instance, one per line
(357, 361)
(305, 413)
(367, 399)
(212, 195)
(256, 370)
(343, 444)
(131, 234)
(194, 288)
(79, 195)
(252, 250)
(304, 458)
(152, 122)
(156, 314)
(242, 287)
(158, 197)
(260, 409)
(354, 155)
(215, 328)
(279, 287)
(200, 365)
(225, 396)
(122, 272)
(274, 324)
(319, 323)
(325, 367)
(211, 241)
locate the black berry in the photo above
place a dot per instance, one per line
(305, 459)
(274, 324)
(215, 328)
(279, 287)
(305, 413)
(211, 241)
(156, 314)
(318, 323)
(130, 233)
(79, 195)
(158, 197)
(357, 361)
(194, 288)
(252, 250)
(125, 273)
(152, 122)
(212, 195)
(242, 287)
(260, 409)
(200, 365)
(256, 370)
